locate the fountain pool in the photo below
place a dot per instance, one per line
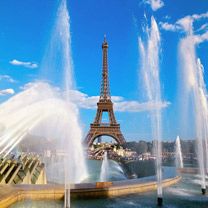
(184, 194)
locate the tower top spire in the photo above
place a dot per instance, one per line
(105, 88)
(105, 38)
(105, 44)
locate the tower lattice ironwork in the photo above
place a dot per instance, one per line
(97, 128)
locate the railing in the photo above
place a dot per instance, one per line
(104, 124)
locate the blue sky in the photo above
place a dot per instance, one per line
(26, 27)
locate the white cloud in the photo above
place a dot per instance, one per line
(203, 27)
(83, 100)
(135, 106)
(120, 104)
(7, 78)
(200, 16)
(168, 27)
(184, 24)
(7, 92)
(28, 64)
(201, 38)
(155, 4)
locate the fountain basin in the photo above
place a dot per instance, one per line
(12, 194)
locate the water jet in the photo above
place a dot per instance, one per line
(178, 153)
(150, 69)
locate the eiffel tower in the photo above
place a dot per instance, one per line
(97, 128)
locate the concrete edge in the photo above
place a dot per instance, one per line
(56, 192)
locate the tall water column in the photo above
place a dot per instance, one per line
(104, 168)
(194, 97)
(58, 60)
(178, 153)
(149, 52)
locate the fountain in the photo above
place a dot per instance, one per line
(193, 91)
(150, 72)
(178, 153)
(60, 43)
(111, 170)
(45, 117)
(104, 168)
(43, 110)
(203, 96)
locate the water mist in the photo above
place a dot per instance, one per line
(194, 91)
(149, 52)
(46, 111)
(58, 59)
(40, 110)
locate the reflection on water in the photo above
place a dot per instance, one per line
(185, 194)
